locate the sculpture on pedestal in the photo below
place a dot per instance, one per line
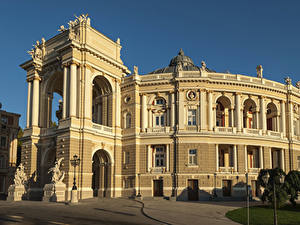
(16, 191)
(55, 191)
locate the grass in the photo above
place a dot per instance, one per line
(263, 215)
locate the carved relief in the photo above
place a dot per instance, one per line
(191, 95)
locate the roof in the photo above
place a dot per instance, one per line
(180, 62)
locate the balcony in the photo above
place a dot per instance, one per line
(158, 130)
(225, 130)
(251, 131)
(102, 129)
(274, 134)
(253, 170)
(157, 170)
(226, 169)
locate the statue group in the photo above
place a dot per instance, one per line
(55, 191)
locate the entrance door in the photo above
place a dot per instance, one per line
(226, 188)
(158, 188)
(193, 190)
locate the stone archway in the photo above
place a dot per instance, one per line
(101, 178)
(47, 163)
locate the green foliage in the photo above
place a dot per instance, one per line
(263, 215)
(20, 134)
(292, 185)
(280, 189)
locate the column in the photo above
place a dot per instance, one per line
(29, 111)
(118, 104)
(238, 111)
(98, 111)
(263, 120)
(149, 153)
(256, 119)
(49, 110)
(277, 123)
(73, 89)
(144, 113)
(167, 157)
(210, 111)
(234, 158)
(88, 94)
(232, 117)
(65, 91)
(217, 158)
(104, 110)
(203, 110)
(35, 101)
(282, 159)
(149, 118)
(291, 122)
(246, 158)
(261, 157)
(172, 110)
(181, 109)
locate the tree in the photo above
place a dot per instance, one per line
(292, 185)
(280, 189)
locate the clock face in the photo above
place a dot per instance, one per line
(191, 95)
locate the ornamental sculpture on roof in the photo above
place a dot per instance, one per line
(259, 71)
(288, 81)
(38, 50)
(57, 174)
(298, 85)
(20, 176)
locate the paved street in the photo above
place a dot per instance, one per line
(117, 211)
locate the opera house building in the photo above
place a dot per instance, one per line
(182, 131)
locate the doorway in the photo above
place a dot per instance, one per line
(158, 188)
(226, 188)
(193, 190)
(101, 168)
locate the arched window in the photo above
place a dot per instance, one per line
(223, 112)
(272, 117)
(128, 120)
(249, 116)
(102, 101)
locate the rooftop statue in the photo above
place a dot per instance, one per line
(57, 174)
(135, 70)
(298, 85)
(259, 71)
(203, 65)
(288, 81)
(20, 176)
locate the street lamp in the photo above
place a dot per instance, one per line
(74, 162)
(139, 191)
(266, 178)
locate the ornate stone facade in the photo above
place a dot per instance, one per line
(182, 131)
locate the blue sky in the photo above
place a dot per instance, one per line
(229, 35)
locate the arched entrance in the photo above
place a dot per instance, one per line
(48, 162)
(101, 179)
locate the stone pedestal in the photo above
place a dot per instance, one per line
(74, 198)
(54, 192)
(16, 192)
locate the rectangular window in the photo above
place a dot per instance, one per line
(160, 157)
(126, 157)
(3, 142)
(193, 156)
(160, 120)
(4, 120)
(192, 117)
(298, 161)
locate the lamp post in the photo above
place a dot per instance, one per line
(139, 191)
(74, 162)
(266, 178)
(247, 195)
(215, 184)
